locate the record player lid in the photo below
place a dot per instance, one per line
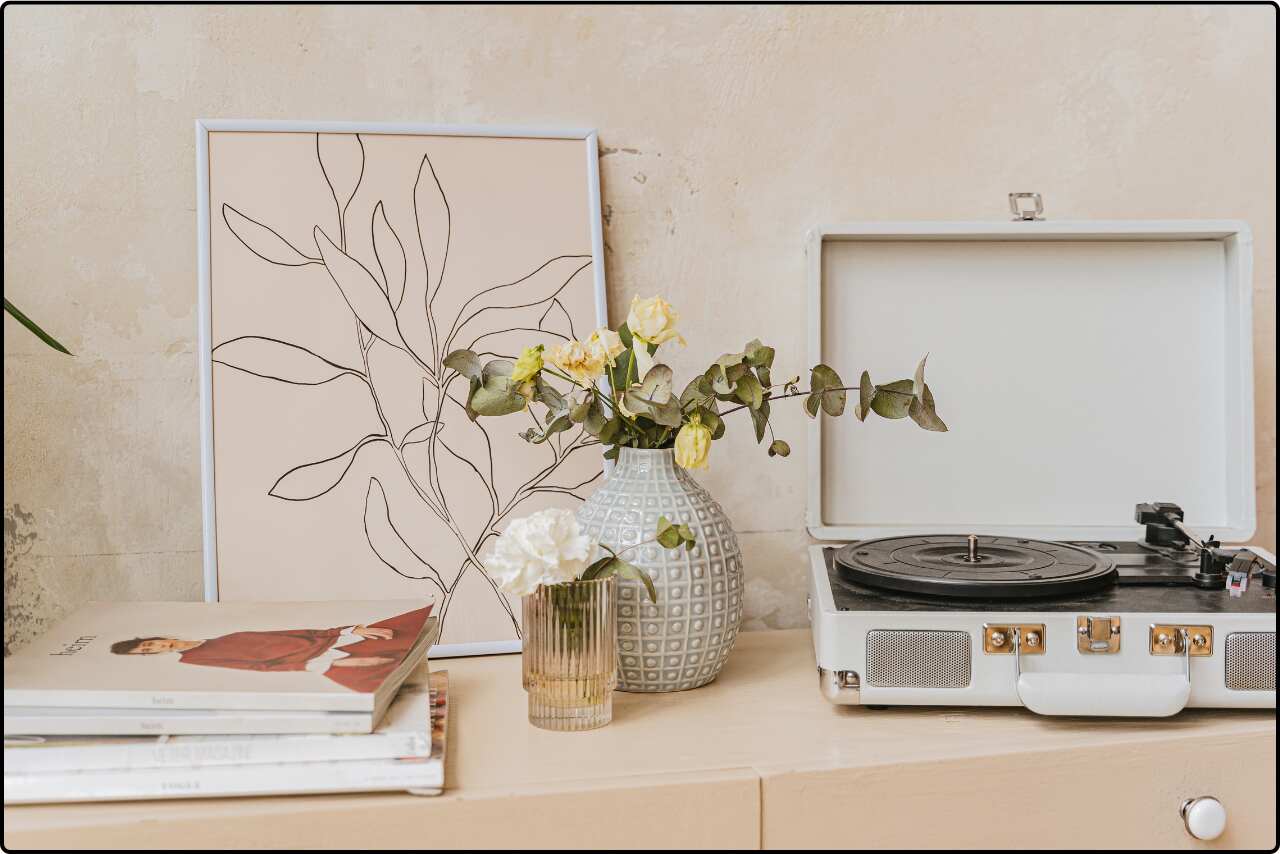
(1082, 367)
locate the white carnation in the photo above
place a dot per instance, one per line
(546, 547)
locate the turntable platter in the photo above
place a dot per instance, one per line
(956, 565)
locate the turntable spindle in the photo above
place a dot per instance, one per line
(973, 548)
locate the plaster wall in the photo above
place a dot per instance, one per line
(726, 133)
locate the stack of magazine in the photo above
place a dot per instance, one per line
(174, 700)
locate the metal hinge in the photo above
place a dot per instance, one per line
(1026, 213)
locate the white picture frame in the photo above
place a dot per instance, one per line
(204, 128)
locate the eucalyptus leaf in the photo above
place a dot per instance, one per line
(833, 401)
(608, 432)
(595, 421)
(545, 394)
(893, 400)
(917, 386)
(497, 368)
(758, 355)
(635, 573)
(812, 403)
(749, 391)
(657, 385)
(712, 421)
(922, 412)
(760, 420)
(779, 448)
(579, 411)
(465, 363)
(558, 425)
(596, 568)
(866, 391)
(668, 535)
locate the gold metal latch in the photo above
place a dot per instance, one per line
(1167, 639)
(998, 640)
(1098, 635)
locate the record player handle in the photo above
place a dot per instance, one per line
(1136, 695)
(1110, 694)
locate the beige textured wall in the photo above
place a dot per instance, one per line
(727, 133)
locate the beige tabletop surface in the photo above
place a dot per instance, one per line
(763, 719)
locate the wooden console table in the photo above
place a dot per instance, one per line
(756, 759)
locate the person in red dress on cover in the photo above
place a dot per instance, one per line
(358, 657)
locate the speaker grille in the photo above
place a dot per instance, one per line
(1251, 661)
(918, 659)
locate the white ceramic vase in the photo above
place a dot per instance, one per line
(682, 641)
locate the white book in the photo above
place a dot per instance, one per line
(417, 774)
(314, 656)
(49, 721)
(400, 735)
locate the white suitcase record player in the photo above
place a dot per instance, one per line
(1083, 368)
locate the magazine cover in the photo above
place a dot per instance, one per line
(210, 768)
(329, 656)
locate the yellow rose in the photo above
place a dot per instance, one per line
(653, 321)
(605, 345)
(578, 361)
(528, 365)
(693, 444)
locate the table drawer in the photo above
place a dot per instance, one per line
(1125, 796)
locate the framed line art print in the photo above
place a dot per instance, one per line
(340, 263)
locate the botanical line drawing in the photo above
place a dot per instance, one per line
(389, 295)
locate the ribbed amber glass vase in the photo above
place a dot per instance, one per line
(570, 654)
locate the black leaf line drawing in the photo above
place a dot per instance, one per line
(378, 303)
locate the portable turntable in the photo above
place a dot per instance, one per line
(1082, 367)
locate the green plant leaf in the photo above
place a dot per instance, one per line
(824, 379)
(668, 535)
(758, 355)
(609, 431)
(544, 393)
(596, 568)
(635, 573)
(917, 385)
(812, 403)
(893, 400)
(922, 412)
(866, 391)
(624, 335)
(494, 394)
(34, 328)
(749, 390)
(760, 419)
(595, 421)
(579, 411)
(465, 363)
(711, 420)
(611, 453)
(657, 385)
(779, 448)
(559, 425)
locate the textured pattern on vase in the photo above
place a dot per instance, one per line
(682, 641)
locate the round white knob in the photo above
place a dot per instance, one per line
(1205, 817)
